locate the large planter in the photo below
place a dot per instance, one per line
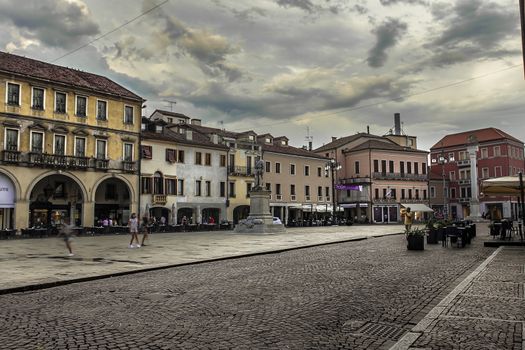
(415, 242)
(432, 237)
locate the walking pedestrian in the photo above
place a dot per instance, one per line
(146, 229)
(409, 217)
(133, 224)
(184, 223)
(66, 231)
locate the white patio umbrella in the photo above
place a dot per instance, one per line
(503, 186)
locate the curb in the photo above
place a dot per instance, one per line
(47, 285)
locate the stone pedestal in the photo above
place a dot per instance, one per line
(260, 220)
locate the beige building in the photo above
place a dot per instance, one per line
(379, 175)
(301, 188)
(69, 142)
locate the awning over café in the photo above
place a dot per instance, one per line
(417, 207)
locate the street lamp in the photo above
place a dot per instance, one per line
(442, 159)
(332, 166)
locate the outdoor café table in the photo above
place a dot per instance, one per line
(209, 227)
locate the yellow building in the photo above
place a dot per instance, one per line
(69, 142)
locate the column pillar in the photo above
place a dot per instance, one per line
(474, 199)
(88, 214)
(21, 214)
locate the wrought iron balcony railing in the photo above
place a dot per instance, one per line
(11, 156)
(240, 170)
(399, 176)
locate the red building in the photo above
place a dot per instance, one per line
(499, 154)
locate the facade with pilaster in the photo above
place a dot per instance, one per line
(69, 142)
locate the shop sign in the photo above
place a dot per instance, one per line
(346, 187)
(7, 192)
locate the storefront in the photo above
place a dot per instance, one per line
(7, 202)
(385, 214)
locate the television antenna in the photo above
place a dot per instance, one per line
(172, 103)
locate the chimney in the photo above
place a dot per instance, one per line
(368, 129)
(397, 124)
(334, 138)
(189, 135)
(196, 122)
(310, 145)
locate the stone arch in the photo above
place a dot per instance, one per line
(42, 176)
(14, 180)
(132, 194)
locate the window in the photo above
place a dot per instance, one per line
(181, 156)
(497, 171)
(356, 167)
(485, 173)
(268, 167)
(223, 160)
(432, 192)
(101, 149)
(416, 168)
(171, 187)
(409, 168)
(417, 194)
(171, 155)
(403, 193)
(292, 190)
(484, 153)
(452, 193)
(11, 139)
(208, 189)
(278, 189)
(384, 193)
(402, 167)
(409, 193)
(497, 151)
(80, 146)
(292, 169)
(128, 152)
(60, 145)
(170, 120)
(320, 191)
(464, 174)
(13, 94)
(376, 193)
(146, 152)
(102, 110)
(60, 102)
(306, 170)
(232, 160)
(180, 187)
(393, 193)
(424, 168)
(222, 189)
(277, 168)
(391, 166)
(38, 99)
(128, 115)
(376, 166)
(327, 191)
(146, 185)
(207, 159)
(424, 194)
(319, 171)
(198, 158)
(248, 189)
(81, 106)
(383, 166)
(452, 176)
(37, 142)
(463, 155)
(306, 190)
(268, 186)
(198, 188)
(231, 189)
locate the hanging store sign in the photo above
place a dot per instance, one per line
(345, 187)
(7, 192)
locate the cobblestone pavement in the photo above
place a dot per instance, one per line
(486, 311)
(30, 262)
(356, 295)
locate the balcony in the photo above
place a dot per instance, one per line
(387, 200)
(357, 180)
(129, 166)
(11, 156)
(240, 171)
(57, 160)
(400, 176)
(463, 163)
(464, 200)
(101, 164)
(159, 199)
(464, 182)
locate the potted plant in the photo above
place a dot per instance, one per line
(432, 237)
(415, 239)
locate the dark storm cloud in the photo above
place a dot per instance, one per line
(479, 23)
(387, 35)
(305, 5)
(56, 23)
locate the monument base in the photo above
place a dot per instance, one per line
(260, 220)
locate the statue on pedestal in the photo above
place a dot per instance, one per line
(259, 171)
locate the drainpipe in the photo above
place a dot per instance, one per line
(370, 187)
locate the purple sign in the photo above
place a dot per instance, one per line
(346, 187)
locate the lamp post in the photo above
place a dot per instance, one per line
(442, 159)
(333, 166)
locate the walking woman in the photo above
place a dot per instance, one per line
(133, 224)
(146, 229)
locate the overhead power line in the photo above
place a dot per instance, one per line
(110, 32)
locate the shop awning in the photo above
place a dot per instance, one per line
(353, 205)
(417, 207)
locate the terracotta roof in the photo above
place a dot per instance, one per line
(483, 135)
(291, 150)
(208, 130)
(170, 135)
(343, 141)
(384, 144)
(45, 71)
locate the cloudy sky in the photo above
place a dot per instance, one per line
(287, 66)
